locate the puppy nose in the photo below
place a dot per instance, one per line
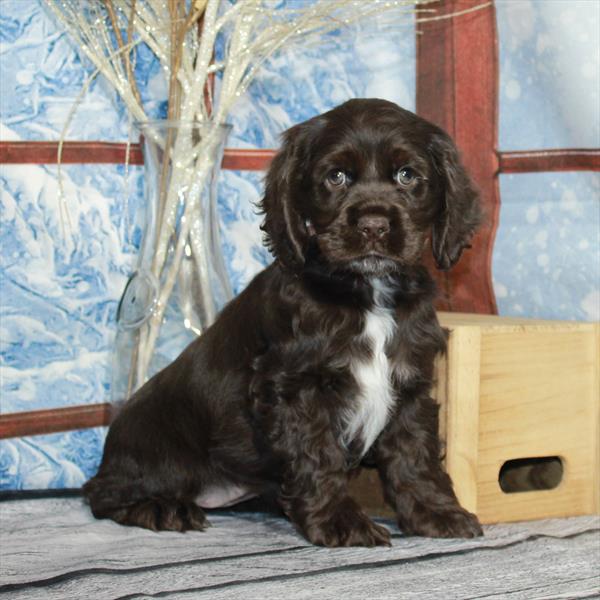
(373, 227)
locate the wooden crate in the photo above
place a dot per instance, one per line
(514, 389)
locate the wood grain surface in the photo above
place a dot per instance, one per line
(54, 549)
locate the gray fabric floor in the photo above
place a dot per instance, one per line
(54, 549)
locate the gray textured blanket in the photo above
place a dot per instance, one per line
(54, 549)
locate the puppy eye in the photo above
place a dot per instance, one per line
(404, 176)
(337, 178)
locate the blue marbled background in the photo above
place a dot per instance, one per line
(59, 293)
(546, 260)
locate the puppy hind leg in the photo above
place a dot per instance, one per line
(132, 504)
(163, 514)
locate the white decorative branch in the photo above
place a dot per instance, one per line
(253, 31)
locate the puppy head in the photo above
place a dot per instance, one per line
(364, 186)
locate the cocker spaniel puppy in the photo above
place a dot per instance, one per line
(325, 361)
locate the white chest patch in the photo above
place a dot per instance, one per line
(374, 401)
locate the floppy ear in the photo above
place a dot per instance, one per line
(459, 208)
(285, 230)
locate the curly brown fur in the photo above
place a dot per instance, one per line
(326, 359)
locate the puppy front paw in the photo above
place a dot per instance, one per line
(452, 523)
(346, 525)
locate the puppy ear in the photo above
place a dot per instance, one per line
(285, 229)
(459, 207)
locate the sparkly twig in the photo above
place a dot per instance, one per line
(254, 31)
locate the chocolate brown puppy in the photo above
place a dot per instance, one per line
(325, 361)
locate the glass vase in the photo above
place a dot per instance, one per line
(180, 281)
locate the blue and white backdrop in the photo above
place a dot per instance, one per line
(58, 299)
